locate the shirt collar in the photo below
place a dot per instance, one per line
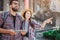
(11, 14)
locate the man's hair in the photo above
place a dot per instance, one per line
(11, 1)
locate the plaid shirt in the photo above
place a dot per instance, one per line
(31, 30)
(9, 25)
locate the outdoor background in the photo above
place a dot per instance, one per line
(42, 10)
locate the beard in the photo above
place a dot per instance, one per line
(15, 10)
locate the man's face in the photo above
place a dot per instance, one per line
(15, 6)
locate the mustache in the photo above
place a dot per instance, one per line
(14, 9)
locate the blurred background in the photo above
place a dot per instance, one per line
(42, 10)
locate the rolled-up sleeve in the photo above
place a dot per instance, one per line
(1, 19)
(36, 25)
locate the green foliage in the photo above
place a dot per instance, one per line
(52, 34)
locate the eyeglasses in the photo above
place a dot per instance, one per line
(16, 3)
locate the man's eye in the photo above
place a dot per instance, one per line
(16, 3)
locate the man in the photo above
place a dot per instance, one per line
(11, 23)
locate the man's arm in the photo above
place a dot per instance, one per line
(5, 31)
(1, 22)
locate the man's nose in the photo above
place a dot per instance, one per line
(16, 6)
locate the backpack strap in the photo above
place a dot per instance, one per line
(5, 14)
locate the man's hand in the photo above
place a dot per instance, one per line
(12, 32)
(23, 32)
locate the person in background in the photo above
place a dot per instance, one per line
(11, 23)
(30, 25)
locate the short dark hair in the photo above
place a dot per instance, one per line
(12, 1)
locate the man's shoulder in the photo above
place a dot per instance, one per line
(20, 17)
(3, 13)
